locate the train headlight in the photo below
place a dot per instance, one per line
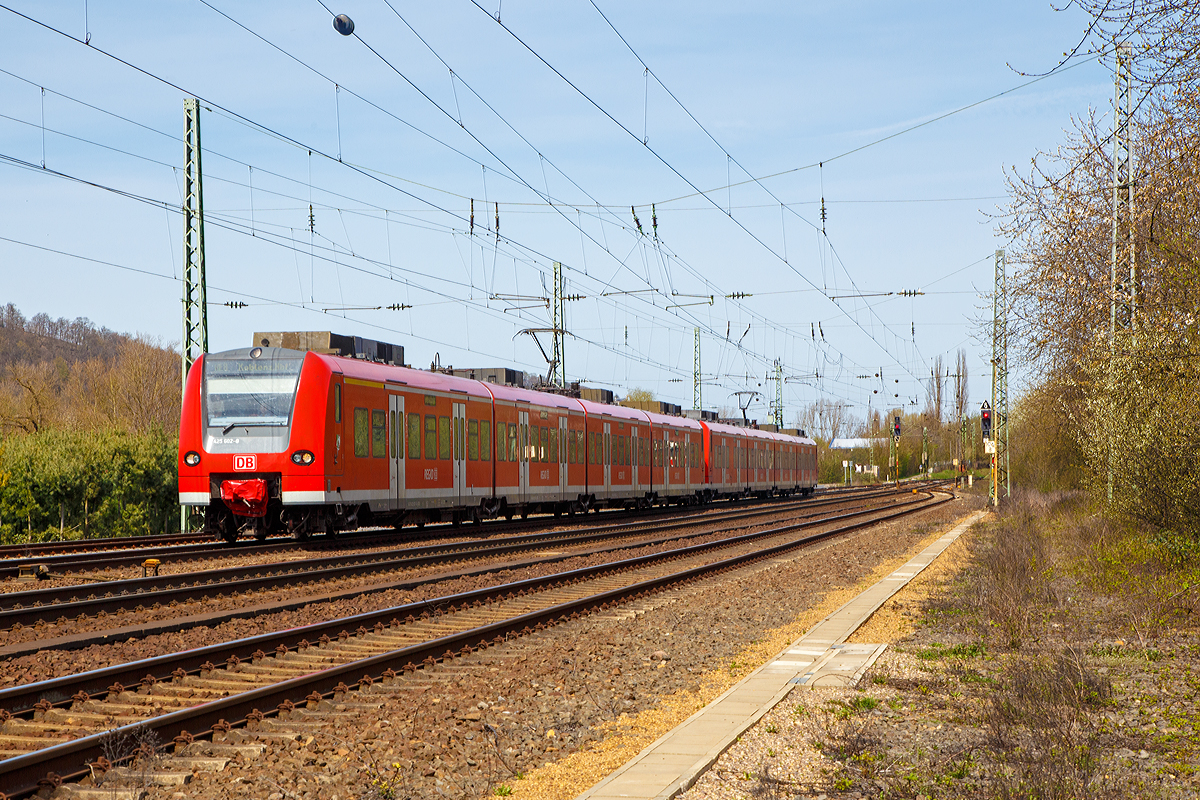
(192, 458)
(302, 457)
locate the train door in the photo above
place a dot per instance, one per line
(460, 452)
(396, 451)
(607, 460)
(635, 452)
(335, 432)
(687, 462)
(523, 455)
(562, 457)
(666, 459)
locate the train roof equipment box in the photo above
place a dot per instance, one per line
(596, 395)
(503, 376)
(333, 344)
(654, 407)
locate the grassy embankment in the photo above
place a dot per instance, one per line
(1061, 661)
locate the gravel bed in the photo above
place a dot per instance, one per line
(548, 715)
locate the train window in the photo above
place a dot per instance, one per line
(501, 439)
(552, 450)
(337, 402)
(397, 452)
(473, 439)
(379, 433)
(362, 433)
(445, 440)
(591, 447)
(485, 440)
(626, 449)
(414, 435)
(458, 439)
(431, 450)
(545, 448)
(512, 441)
(607, 448)
(570, 447)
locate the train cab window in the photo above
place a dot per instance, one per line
(362, 433)
(337, 402)
(513, 447)
(485, 440)
(378, 433)
(445, 440)
(473, 439)
(431, 449)
(414, 435)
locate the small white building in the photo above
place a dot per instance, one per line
(857, 443)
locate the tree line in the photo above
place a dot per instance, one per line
(89, 425)
(1113, 408)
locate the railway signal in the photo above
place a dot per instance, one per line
(896, 427)
(985, 421)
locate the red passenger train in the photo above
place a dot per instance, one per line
(274, 439)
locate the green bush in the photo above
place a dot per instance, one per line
(106, 484)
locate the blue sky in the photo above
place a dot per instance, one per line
(780, 87)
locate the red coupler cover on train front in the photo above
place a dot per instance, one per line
(246, 498)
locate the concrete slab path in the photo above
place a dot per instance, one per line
(818, 659)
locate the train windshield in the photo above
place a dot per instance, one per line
(244, 391)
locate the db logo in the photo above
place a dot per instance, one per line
(245, 463)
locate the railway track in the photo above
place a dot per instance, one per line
(58, 726)
(60, 604)
(65, 557)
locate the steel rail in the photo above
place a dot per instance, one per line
(27, 608)
(132, 550)
(110, 636)
(59, 691)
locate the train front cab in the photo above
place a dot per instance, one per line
(252, 431)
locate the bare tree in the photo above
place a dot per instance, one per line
(934, 394)
(962, 393)
(29, 401)
(825, 419)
